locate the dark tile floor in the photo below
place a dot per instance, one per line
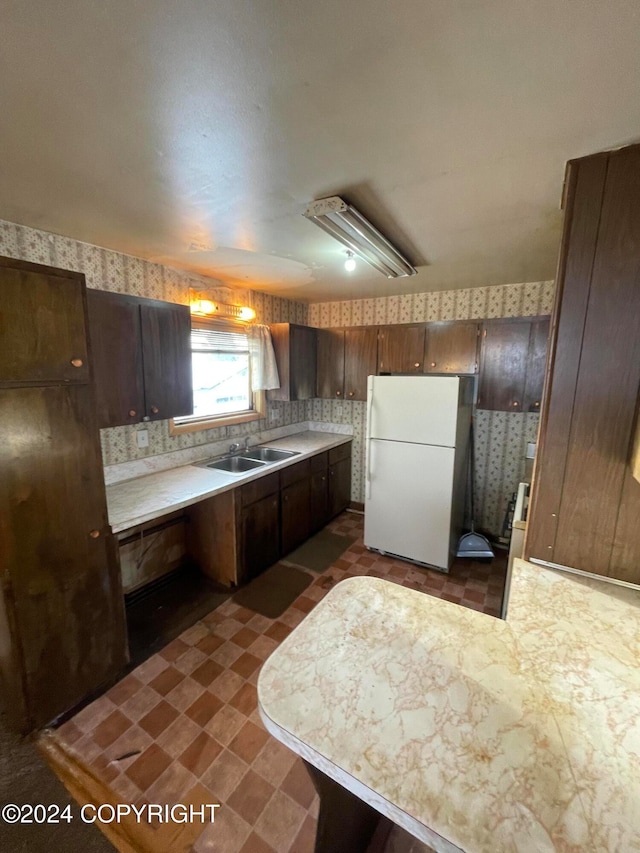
(187, 717)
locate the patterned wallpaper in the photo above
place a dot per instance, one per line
(501, 437)
(108, 270)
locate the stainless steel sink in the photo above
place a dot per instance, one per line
(235, 464)
(268, 454)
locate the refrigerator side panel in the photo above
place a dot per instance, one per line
(418, 409)
(409, 501)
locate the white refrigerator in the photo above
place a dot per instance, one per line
(416, 449)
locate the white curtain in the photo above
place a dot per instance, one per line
(264, 370)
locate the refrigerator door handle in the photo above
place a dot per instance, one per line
(368, 437)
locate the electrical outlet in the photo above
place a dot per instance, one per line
(338, 410)
(273, 414)
(142, 438)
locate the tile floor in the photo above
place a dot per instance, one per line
(187, 723)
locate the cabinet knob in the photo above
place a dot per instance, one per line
(537, 404)
(417, 364)
(132, 413)
(94, 534)
(338, 393)
(154, 410)
(351, 393)
(433, 364)
(323, 479)
(77, 362)
(515, 404)
(286, 498)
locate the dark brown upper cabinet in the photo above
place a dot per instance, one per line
(32, 306)
(452, 347)
(360, 360)
(142, 358)
(295, 348)
(345, 358)
(401, 348)
(510, 353)
(536, 364)
(330, 363)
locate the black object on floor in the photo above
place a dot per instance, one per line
(160, 612)
(272, 592)
(320, 552)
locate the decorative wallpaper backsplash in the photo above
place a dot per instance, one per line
(501, 437)
(108, 270)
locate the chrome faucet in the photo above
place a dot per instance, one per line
(234, 447)
(246, 442)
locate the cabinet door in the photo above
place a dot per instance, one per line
(303, 353)
(451, 348)
(116, 350)
(401, 348)
(295, 350)
(504, 356)
(536, 364)
(42, 325)
(330, 362)
(339, 486)
(58, 558)
(166, 353)
(295, 514)
(260, 537)
(360, 360)
(319, 500)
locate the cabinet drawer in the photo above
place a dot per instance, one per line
(336, 454)
(294, 473)
(319, 463)
(258, 489)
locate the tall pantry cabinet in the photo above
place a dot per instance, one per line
(585, 507)
(62, 629)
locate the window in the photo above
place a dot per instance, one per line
(221, 378)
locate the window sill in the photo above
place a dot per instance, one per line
(232, 419)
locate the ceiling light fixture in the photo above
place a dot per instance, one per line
(350, 263)
(203, 307)
(343, 222)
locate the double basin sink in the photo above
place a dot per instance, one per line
(247, 460)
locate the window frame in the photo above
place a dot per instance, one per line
(258, 398)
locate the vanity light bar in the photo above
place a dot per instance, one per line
(346, 224)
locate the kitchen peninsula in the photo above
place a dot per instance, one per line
(470, 733)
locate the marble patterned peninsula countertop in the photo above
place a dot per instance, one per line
(142, 499)
(471, 733)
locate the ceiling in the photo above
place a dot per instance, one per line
(153, 126)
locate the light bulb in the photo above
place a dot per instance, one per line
(247, 313)
(350, 263)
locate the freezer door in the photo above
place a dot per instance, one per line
(408, 500)
(420, 409)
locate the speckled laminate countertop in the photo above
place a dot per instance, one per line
(472, 733)
(142, 499)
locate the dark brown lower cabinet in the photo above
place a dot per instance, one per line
(319, 493)
(295, 514)
(339, 479)
(259, 538)
(236, 535)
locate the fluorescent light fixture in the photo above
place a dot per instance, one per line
(343, 222)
